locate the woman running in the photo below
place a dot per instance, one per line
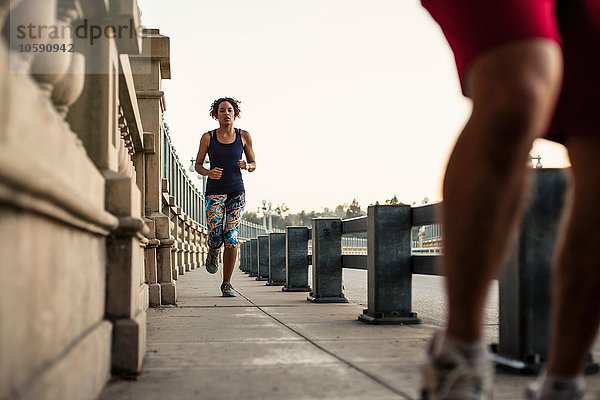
(225, 193)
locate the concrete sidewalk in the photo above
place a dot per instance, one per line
(267, 344)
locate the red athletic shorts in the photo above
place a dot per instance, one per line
(474, 26)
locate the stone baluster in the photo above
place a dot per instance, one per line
(34, 14)
(149, 69)
(50, 65)
(68, 89)
(186, 242)
(196, 251)
(180, 240)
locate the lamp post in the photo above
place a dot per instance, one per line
(193, 169)
(538, 165)
(267, 214)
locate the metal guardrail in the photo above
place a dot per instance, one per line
(180, 186)
(391, 262)
(283, 259)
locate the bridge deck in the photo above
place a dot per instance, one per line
(266, 344)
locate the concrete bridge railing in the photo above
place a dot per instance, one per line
(392, 260)
(98, 220)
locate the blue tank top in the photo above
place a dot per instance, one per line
(226, 156)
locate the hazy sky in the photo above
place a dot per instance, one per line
(344, 99)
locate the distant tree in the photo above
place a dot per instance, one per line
(340, 211)
(392, 201)
(252, 217)
(281, 209)
(304, 219)
(354, 210)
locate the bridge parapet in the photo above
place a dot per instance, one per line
(72, 185)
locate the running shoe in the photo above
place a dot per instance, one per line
(227, 290)
(554, 389)
(212, 261)
(453, 375)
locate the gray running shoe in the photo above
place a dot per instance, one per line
(212, 261)
(227, 290)
(543, 389)
(453, 376)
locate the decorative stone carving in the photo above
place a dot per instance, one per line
(68, 89)
(30, 13)
(49, 66)
(126, 148)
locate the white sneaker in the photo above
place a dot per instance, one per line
(451, 374)
(546, 388)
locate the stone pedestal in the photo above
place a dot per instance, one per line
(124, 275)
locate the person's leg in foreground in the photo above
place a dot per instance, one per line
(490, 157)
(514, 82)
(576, 277)
(234, 209)
(576, 280)
(514, 89)
(215, 214)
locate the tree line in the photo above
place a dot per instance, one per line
(281, 216)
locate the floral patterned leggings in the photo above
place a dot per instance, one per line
(227, 208)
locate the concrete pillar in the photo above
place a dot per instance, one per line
(151, 271)
(179, 241)
(296, 259)
(150, 67)
(389, 266)
(263, 258)
(524, 284)
(327, 261)
(276, 259)
(95, 118)
(253, 258)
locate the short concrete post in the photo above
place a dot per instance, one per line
(296, 259)
(389, 266)
(247, 247)
(263, 258)
(525, 282)
(241, 259)
(327, 261)
(180, 241)
(253, 258)
(242, 255)
(276, 259)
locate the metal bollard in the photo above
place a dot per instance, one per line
(247, 262)
(327, 261)
(525, 282)
(253, 258)
(296, 259)
(276, 259)
(389, 266)
(244, 257)
(247, 247)
(241, 255)
(263, 258)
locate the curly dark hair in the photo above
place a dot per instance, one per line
(214, 107)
